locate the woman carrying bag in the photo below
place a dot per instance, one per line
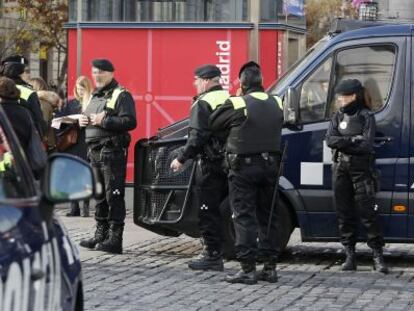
(70, 137)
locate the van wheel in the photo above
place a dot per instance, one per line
(285, 228)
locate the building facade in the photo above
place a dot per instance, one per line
(155, 46)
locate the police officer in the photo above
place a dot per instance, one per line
(108, 118)
(351, 135)
(254, 121)
(211, 181)
(13, 67)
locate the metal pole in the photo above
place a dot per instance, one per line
(254, 33)
(275, 196)
(79, 39)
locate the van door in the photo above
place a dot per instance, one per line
(410, 67)
(376, 65)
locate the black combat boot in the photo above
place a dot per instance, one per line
(208, 260)
(268, 273)
(379, 264)
(247, 275)
(350, 260)
(74, 209)
(113, 244)
(101, 233)
(86, 208)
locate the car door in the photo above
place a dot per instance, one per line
(375, 63)
(29, 261)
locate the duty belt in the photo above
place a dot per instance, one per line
(251, 158)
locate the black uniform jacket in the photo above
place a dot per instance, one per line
(33, 104)
(123, 118)
(350, 144)
(19, 117)
(199, 132)
(226, 117)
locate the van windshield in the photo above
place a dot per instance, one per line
(280, 85)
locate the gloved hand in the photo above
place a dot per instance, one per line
(357, 138)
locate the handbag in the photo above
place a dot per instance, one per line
(36, 153)
(67, 138)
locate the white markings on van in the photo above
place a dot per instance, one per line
(311, 173)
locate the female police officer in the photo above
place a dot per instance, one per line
(351, 135)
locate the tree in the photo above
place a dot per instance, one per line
(321, 13)
(40, 26)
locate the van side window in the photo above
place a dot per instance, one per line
(373, 66)
(11, 185)
(314, 94)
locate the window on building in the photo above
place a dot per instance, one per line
(282, 11)
(161, 10)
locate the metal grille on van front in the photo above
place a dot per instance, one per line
(176, 130)
(161, 194)
(161, 174)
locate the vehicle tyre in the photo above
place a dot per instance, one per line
(79, 298)
(285, 228)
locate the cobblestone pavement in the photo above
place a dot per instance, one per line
(152, 274)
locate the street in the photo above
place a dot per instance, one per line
(152, 274)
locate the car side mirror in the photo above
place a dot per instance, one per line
(291, 107)
(68, 178)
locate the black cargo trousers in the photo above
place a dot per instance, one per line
(211, 189)
(354, 194)
(110, 162)
(251, 185)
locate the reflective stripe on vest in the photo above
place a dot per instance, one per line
(238, 102)
(279, 101)
(214, 98)
(114, 97)
(25, 92)
(7, 161)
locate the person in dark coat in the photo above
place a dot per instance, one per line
(253, 122)
(18, 115)
(108, 118)
(82, 95)
(351, 135)
(13, 67)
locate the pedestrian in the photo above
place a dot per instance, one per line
(49, 102)
(13, 67)
(211, 181)
(351, 135)
(108, 117)
(253, 122)
(82, 93)
(18, 115)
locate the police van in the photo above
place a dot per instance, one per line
(381, 57)
(39, 265)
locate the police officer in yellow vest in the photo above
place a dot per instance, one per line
(108, 118)
(13, 67)
(254, 123)
(211, 181)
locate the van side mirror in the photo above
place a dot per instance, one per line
(291, 107)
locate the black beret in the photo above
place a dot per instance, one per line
(247, 65)
(15, 58)
(103, 64)
(348, 87)
(207, 72)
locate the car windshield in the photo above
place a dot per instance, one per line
(280, 85)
